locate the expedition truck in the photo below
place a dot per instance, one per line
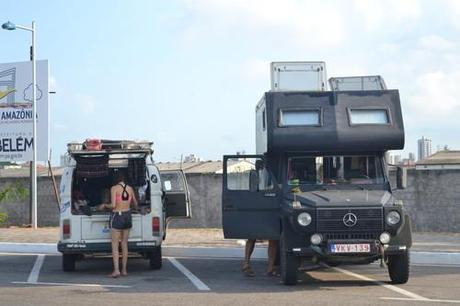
(85, 185)
(320, 182)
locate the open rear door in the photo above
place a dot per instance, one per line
(177, 196)
(250, 199)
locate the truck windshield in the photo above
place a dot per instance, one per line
(334, 170)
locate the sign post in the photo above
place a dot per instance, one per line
(16, 141)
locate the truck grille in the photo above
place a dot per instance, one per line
(330, 220)
(351, 236)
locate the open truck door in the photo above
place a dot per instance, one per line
(250, 199)
(177, 196)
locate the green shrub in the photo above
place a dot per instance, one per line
(3, 219)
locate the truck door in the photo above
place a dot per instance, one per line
(250, 199)
(177, 196)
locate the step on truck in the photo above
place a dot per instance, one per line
(85, 186)
(319, 182)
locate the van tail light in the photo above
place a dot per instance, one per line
(156, 226)
(66, 229)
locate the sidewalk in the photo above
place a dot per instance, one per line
(423, 242)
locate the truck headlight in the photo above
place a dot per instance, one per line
(393, 218)
(304, 219)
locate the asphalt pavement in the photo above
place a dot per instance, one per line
(202, 268)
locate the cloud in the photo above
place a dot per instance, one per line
(453, 8)
(437, 96)
(435, 42)
(377, 16)
(86, 103)
(302, 23)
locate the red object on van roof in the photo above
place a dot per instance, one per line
(93, 144)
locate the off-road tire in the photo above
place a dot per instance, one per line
(289, 265)
(398, 268)
(68, 262)
(155, 258)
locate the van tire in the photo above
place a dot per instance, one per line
(155, 258)
(398, 268)
(289, 265)
(68, 262)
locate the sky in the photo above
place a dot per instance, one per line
(188, 74)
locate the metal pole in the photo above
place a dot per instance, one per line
(34, 129)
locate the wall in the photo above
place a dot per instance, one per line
(432, 199)
(19, 210)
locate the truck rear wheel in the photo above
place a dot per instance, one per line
(68, 262)
(398, 268)
(289, 265)
(155, 258)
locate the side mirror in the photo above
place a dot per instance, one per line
(401, 178)
(253, 181)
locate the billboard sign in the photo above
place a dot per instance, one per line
(16, 134)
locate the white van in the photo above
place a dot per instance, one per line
(86, 183)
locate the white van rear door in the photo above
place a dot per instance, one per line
(177, 196)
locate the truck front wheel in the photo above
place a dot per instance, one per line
(155, 258)
(398, 268)
(289, 264)
(68, 262)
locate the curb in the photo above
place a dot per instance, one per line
(417, 258)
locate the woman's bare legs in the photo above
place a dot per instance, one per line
(124, 251)
(116, 234)
(272, 252)
(248, 249)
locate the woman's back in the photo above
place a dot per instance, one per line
(121, 196)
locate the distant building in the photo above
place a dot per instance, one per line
(237, 165)
(192, 158)
(424, 148)
(440, 160)
(412, 157)
(397, 159)
(64, 160)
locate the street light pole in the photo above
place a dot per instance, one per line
(34, 128)
(11, 26)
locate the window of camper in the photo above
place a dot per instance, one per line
(249, 174)
(300, 117)
(368, 116)
(334, 170)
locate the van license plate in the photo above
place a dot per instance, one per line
(350, 248)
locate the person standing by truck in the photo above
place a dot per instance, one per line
(122, 196)
(272, 253)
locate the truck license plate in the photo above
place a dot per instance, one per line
(350, 248)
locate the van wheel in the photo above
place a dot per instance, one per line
(68, 262)
(155, 259)
(398, 268)
(289, 265)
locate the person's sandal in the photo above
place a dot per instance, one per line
(272, 273)
(248, 271)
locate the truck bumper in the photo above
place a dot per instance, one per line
(104, 247)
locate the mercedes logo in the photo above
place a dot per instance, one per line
(350, 220)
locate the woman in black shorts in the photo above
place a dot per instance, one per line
(122, 196)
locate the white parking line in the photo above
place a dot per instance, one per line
(71, 284)
(390, 287)
(416, 300)
(195, 280)
(33, 276)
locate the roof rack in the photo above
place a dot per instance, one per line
(365, 82)
(104, 146)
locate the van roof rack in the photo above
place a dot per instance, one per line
(103, 146)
